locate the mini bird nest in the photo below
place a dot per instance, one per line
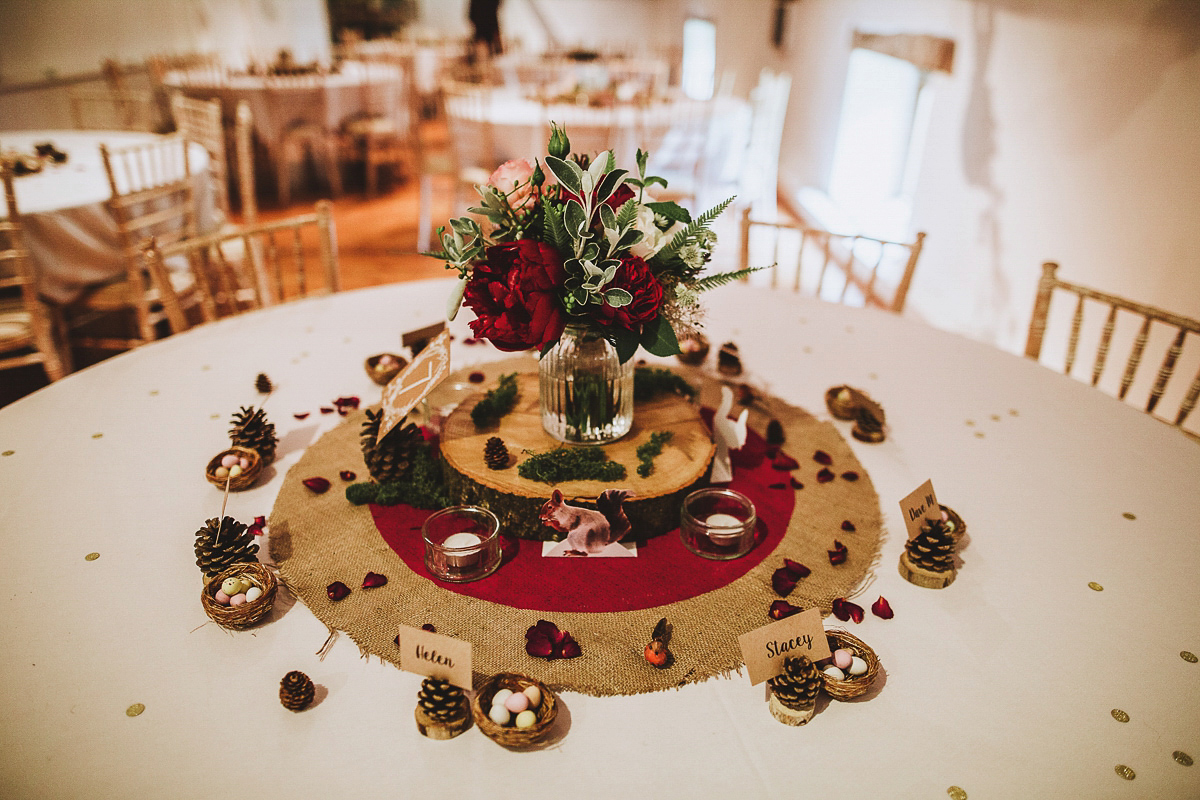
(243, 481)
(507, 735)
(241, 617)
(858, 685)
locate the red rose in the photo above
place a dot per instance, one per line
(514, 295)
(635, 277)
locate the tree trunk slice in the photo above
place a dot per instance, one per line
(790, 716)
(926, 579)
(654, 506)
(436, 729)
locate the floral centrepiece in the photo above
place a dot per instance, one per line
(579, 256)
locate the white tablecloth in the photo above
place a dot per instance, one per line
(1001, 684)
(70, 233)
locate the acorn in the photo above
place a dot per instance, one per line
(657, 654)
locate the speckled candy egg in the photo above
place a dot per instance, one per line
(234, 471)
(244, 463)
(231, 586)
(516, 703)
(526, 719)
(237, 600)
(221, 598)
(221, 472)
(499, 715)
(835, 673)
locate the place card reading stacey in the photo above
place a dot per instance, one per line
(435, 656)
(765, 649)
(919, 506)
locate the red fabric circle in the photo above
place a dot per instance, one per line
(664, 571)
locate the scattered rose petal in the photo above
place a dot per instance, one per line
(570, 647)
(838, 554)
(848, 526)
(301, 416)
(428, 626)
(844, 610)
(781, 609)
(780, 485)
(472, 340)
(850, 475)
(347, 475)
(476, 377)
(783, 581)
(545, 640)
(821, 457)
(396, 639)
(882, 609)
(347, 402)
(337, 590)
(784, 462)
(775, 434)
(796, 568)
(797, 484)
(771, 451)
(374, 580)
(326, 410)
(316, 485)
(824, 476)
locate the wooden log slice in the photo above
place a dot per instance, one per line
(926, 579)
(652, 510)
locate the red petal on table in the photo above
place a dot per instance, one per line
(824, 476)
(317, 485)
(783, 581)
(337, 590)
(570, 647)
(821, 457)
(771, 451)
(396, 639)
(780, 485)
(373, 580)
(428, 627)
(539, 647)
(797, 484)
(838, 554)
(342, 410)
(326, 410)
(782, 609)
(848, 526)
(844, 610)
(301, 416)
(784, 462)
(543, 628)
(347, 475)
(796, 568)
(476, 377)
(260, 522)
(881, 608)
(850, 475)
(347, 402)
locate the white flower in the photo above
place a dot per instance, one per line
(654, 238)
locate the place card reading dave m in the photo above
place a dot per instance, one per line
(919, 506)
(765, 649)
(435, 656)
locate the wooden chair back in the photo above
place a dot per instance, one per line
(1174, 335)
(842, 268)
(200, 121)
(111, 109)
(243, 144)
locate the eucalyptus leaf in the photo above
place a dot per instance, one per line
(618, 297)
(568, 173)
(454, 301)
(598, 167)
(609, 185)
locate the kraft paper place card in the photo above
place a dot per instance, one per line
(415, 381)
(765, 649)
(922, 504)
(435, 656)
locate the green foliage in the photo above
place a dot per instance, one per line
(497, 402)
(590, 401)
(571, 464)
(658, 337)
(648, 451)
(424, 487)
(649, 382)
(694, 228)
(720, 279)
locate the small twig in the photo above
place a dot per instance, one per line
(325, 648)
(224, 501)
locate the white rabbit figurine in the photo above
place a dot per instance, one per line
(729, 435)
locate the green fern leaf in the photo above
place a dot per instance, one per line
(697, 225)
(722, 278)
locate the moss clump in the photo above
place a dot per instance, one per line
(424, 487)
(649, 382)
(571, 464)
(648, 451)
(497, 402)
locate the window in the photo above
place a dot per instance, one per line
(699, 57)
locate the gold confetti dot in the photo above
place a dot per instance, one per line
(979, 434)
(1012, 412)
(346, 340)
(1119, 715)
(808, 349)
(995, 417)
(134, 710)
(97, 435)
(970, 422)
(1095, 587)
(1125, 772)
(304, 354)
(957, 793)
(1127, 515)
(205, 368)
(91, 556)
(1187, 656)
(153, 392)
(8, 452)
(214, 416)
(872, 376)
(1182, 758)
(308, 329)
(849, 329)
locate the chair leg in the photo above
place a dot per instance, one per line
(425, 216)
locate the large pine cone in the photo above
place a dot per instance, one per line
(296, 691)
(440, 700)
(251, 429)
(797, 686)
(389, 460)
(234, 545)
(495, 454)
(933, 547)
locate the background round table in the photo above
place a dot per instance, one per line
(1002, 684)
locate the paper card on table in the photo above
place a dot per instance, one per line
(765, 649)
(415, 381)
(563, 549)
(435, 656)
(416, 340)
(922, 504)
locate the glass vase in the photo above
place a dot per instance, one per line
(586, 393)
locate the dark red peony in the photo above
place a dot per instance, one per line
(515, 295)
(635, 277)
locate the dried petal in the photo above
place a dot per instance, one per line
(301, 416)
(374, 580)
(783, 581)
(782, 609)
(260, 522)
(844, 610)
(428, 626)
(882, 609)
(570, 647)
(543, 628)
(850, 475)
(848, 526)
(796, 568)
(797, 484)
(326, 409)
(347, 475)
(821, 457)
(775, 434)
(337, 590)
(476, 377)
(347, 402)
(780, 485)
(540, 647)
(824, 476)
(784, 462)
(316, 485)
(838, 554)
(472, 340)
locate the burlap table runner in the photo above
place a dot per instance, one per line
(318, 539)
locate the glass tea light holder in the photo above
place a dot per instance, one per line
(462, 543)
(718, 523)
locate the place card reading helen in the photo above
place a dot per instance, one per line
(765, 649)
(435, 656)
(921, 505)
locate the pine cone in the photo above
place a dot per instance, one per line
(296, 691)
(440, 700)
(933, 548)
(797, 686)
(251, 429)
(495, 454)
(391, 460)
(263, 383)
(775, 434)
(728, 362)
(217, 552)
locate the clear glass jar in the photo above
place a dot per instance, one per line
(585, 392)
(719, 524)
(462, 543)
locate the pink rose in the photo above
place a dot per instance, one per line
(514, 179)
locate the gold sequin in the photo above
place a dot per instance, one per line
(1125, 772)
(1127, 515)
(205, 368)
(97, 435)
(872, 376)
(808, 349)
(995, 417)
(214, 416)
(91, 556)
(970, 422)
(849, 329)
(153, 392)
(979, 434)
(8, 452)
(957, 793)
(1187, 656)
(1119, 715)
(1182, 758)
(1012, 412)
(134, 710)
(1095, 587)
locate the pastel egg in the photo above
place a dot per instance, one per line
(842, 658)
(244, 463)
(234, 471)
(253, 593)
(516, 703)
(499, 697)
(857, 666)
(221, 598)
(231, 586)
(229, 460)
(237, 600)
(526, 719)
(221, 472)
(499, 715)
(535, 696)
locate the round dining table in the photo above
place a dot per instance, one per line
(1058, 664)
(69, 231)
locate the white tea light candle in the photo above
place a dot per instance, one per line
(718, 523)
